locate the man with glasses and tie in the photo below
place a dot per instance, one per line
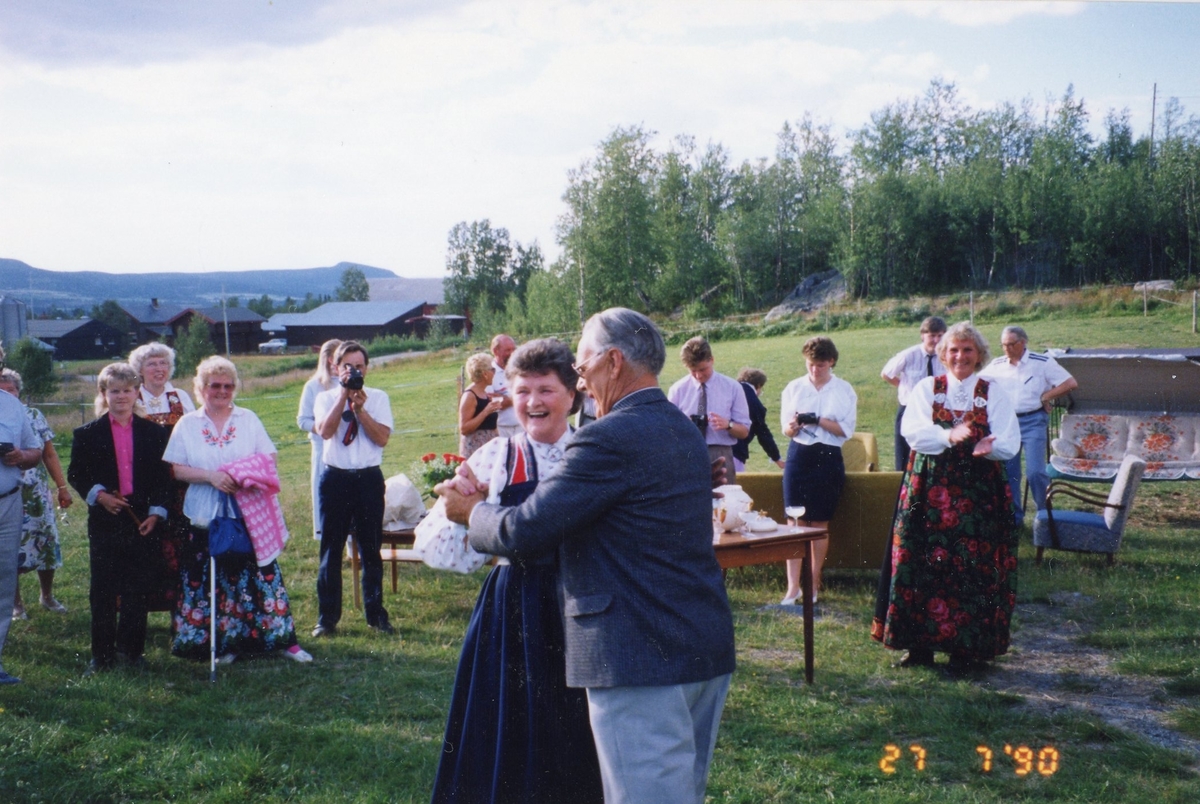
(1032, 383)
(355, 422)
(715, 403)
(907, 369)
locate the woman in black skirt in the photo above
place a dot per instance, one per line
(818, 413)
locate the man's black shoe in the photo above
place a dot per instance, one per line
(383, 627)
(324, 630)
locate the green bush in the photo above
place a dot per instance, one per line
(35, 366)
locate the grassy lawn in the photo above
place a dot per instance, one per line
(364, 721)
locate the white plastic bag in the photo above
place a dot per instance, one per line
(402, 503)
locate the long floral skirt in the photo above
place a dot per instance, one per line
(254, 614)
(949, 580)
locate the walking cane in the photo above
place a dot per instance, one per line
(212, 618)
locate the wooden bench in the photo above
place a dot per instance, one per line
(395, 548)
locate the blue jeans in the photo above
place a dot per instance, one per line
(1033, 443)
(351, 499)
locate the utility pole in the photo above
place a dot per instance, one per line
(1153, 114)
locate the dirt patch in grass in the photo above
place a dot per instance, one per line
(1051, 669)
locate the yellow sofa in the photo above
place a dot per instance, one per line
(862, 525)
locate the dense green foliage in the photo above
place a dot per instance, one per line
(35, 366)
(353, 286)
(192, 345)
(929, 196)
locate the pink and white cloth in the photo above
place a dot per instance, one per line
(258, 497)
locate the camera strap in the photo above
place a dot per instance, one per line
(352, 428)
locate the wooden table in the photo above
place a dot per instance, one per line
(395, 548)
(736, 549)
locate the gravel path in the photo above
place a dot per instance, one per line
(1050, 667)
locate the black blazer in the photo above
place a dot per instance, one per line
(630, 513)
(94, 462)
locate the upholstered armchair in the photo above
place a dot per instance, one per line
(1083, 531)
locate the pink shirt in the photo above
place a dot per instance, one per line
(123, 441)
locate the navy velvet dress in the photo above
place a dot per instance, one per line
(516, 733)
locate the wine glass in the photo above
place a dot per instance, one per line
(794, 511)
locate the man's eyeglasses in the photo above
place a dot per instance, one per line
(579, 367)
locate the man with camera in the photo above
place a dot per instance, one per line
(20, 449)
(715, 403)
(355, 422)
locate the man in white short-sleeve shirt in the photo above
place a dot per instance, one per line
(503, 347)
(355, 423)
(909, 367)
(1032, 382)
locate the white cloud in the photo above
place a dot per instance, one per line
(369, 141)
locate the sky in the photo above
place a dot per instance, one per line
(165, 135)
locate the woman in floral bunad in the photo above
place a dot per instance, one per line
(253, 611)
(477, 411)
(324, 378)
(949, 579)
(40, 549)
(163, 403)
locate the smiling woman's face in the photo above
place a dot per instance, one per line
(542, 404)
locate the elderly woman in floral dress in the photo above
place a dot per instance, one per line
(949, 579)
(254, 613)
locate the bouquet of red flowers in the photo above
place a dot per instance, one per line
(433, 469)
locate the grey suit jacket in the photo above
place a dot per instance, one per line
(630, 513)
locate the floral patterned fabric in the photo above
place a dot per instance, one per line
(953, 567)
(254, 614)
(40, 549)
(1093, 445)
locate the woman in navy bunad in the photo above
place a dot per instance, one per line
(516, 732)
(948, 583)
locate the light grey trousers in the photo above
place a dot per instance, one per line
(655, 743)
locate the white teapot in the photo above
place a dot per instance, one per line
(730, 510)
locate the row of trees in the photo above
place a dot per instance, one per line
(929, 196)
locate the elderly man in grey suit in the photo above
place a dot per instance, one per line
(648, 628)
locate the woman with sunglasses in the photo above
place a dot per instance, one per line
(252, 604)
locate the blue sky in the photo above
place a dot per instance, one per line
(144, 135)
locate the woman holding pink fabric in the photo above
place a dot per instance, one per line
(253, 610)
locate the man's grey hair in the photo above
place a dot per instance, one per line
(1017, 331)
(630, 333)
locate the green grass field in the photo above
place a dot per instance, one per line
(364, 721)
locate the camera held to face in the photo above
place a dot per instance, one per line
(807, 418)
(353, 380)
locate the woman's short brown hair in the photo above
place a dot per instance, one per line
(755, 377)
(820, 348)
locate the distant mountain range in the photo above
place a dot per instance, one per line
(71, 289)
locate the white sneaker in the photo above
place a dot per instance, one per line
(299, 655)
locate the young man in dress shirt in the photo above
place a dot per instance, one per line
(355, 422)
(1032, 382)
(908, 368)
(506, 420)
(714, 402)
